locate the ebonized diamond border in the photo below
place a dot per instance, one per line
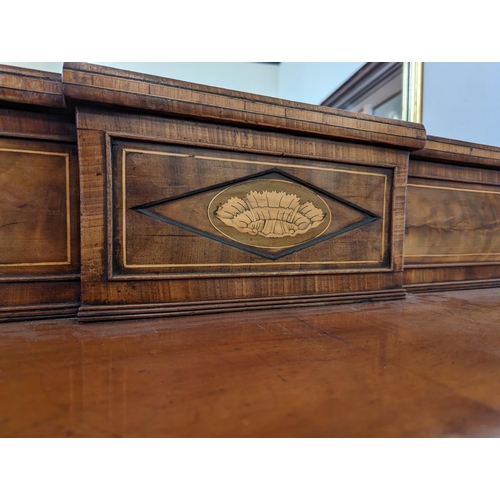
(369, 216)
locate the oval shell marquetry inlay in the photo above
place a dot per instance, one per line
(269, 213)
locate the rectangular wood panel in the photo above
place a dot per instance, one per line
(168, 193)
(452, 235)
(39, 230)
(449, 222)
(35, 208)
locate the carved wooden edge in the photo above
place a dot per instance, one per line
(31, 278)
(139, 311)
(42, 311)
(84, 82)
(448, 286)
(450, 150)
(32, 87)
(162, 130)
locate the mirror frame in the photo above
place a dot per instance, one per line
(412, 88)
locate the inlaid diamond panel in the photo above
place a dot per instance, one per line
(271, 215)
(182, 210)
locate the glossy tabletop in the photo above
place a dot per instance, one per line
(427, 366)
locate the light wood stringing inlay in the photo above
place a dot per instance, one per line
(68, 207)
(231, 264)
(283, 218)
(445, 188)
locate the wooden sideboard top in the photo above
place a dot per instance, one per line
(453, 151)
(29, 86)
(84, 82)
(424, 367)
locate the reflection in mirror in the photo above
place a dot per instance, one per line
(392, 108)
(387, 89)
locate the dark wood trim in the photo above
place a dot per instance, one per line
(42, 311)
(137, 311)
(448, 286)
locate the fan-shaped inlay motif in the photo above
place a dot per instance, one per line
(270, 213)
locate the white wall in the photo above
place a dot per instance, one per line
(313, 82)
(462, 101)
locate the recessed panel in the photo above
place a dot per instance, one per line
(452, 222)
(34, 208)
(181, 210)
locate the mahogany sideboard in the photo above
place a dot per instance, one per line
(195, 199)
(39, 198)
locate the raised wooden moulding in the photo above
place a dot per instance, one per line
(39, 201)
(198, 199)
(453, 217)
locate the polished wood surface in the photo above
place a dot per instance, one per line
(172, 194)
(38, 206)
(157, 158)
(167, 172)
(39, 201)
(452, 235)
(451, 223)
(425, 367)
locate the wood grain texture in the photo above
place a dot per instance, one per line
(55, 297)
(164, 268)
(424, 367)
(149, 246)
(453, 212)
(455, 172)
(98, 84)
(31, 87)
(452, 223)
(35, 124)
(39, 206)
(451, 277)
(451, 150)
(219, 136)
(252, 301)
(164, 193)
